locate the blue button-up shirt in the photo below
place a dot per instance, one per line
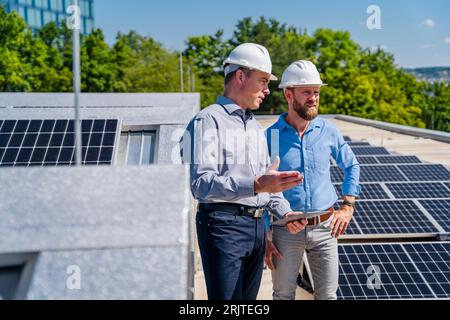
(311, 156)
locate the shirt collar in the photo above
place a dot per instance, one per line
(231, 107)
(281, 123)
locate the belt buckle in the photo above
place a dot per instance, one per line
(315, 221)
(258, 213)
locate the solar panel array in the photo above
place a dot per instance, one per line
(397, 159)
(394, 271)
(387, 159)
(390, 217)
(402, 190)
(52, 142)
(439, 209)
(359, 151)
(357, 143)
(397, 172)
(418, 190)
(402, 198)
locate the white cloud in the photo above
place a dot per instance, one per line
(447, 40)
(429, 23)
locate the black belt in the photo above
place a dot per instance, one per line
(234, 208)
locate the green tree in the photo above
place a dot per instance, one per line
(13, 41)
(98, 72)
(145, 65)
(205, 54)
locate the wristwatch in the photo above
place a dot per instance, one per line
(348, 203)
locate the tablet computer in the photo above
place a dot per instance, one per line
(299, 216)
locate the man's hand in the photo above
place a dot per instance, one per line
(341, 220)
(275, 181)
(271, 251)
(295, 226)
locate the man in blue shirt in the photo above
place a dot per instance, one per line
(305, 142)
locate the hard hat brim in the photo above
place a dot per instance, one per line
(302, 85)
(230, 62)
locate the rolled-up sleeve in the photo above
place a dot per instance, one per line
(346, 160)
(205, 180)
(279, 205)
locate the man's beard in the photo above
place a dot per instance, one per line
(305, 112)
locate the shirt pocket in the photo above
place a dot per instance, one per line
(291, 160)
(322, 156)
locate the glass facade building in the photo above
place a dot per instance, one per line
(37, 13)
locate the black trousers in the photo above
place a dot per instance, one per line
(232, 251)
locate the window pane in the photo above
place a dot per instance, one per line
(26, 2)
(84, 6)
(22, 11)
(121, 157)
(38, 18)
(48, 17)
(56, 5)
(148, 148)
(134, 149)
(41, 3)
(31, 14)
(89, 26)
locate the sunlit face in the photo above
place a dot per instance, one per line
(305, 101)
(254, 89)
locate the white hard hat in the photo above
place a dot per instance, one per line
(301, 73)
(249, 55)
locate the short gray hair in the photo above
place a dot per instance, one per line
(229, 76)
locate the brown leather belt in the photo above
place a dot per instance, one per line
(316, 220)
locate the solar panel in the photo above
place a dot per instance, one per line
(397, 159)
(439, 209)
(447, 184)
(425, 172)
(380, 174)
(418, 190)
(52, 142)
(367, 160)
(433, 263)
(394, 271)
(390, 217)
(369, 173)
(372, 191)
(369, 151)
(369, 191)
(358, 143)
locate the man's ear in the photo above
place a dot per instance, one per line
(288, 95)
(240, 76)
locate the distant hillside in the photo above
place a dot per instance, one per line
(431, 74)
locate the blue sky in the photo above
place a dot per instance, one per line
(417, 32)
